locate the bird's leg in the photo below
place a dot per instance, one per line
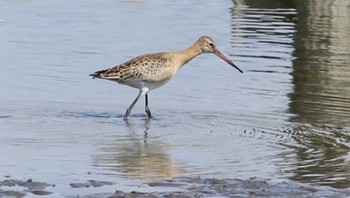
(146, 107)
(132, 105)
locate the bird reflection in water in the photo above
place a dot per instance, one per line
(137, 156)
(133, 131)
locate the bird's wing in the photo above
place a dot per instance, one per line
(141, 67)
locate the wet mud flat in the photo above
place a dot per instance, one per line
(187, 187)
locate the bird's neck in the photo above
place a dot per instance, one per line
(184, 56)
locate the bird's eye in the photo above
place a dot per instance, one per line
(211, 45)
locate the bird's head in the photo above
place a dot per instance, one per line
(207, 45)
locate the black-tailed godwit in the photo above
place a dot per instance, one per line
(150, 71)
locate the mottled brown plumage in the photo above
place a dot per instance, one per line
(148, 67)
(150, 71)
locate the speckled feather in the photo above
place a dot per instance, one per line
(149, 67)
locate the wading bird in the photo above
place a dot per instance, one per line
(150, 71)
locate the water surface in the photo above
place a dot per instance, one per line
(286, 118)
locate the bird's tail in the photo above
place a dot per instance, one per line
(97, 74)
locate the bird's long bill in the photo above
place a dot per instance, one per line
(223, 57)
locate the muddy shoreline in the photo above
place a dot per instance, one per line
(188, 187)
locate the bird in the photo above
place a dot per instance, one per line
(150, 71)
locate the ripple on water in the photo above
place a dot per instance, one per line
(287, 116)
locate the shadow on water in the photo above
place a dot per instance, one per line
(320, 75)
(105, 116)
(82, 115)
(321, 95)
(135, 155)
(320, 99)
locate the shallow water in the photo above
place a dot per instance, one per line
(286, 118)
